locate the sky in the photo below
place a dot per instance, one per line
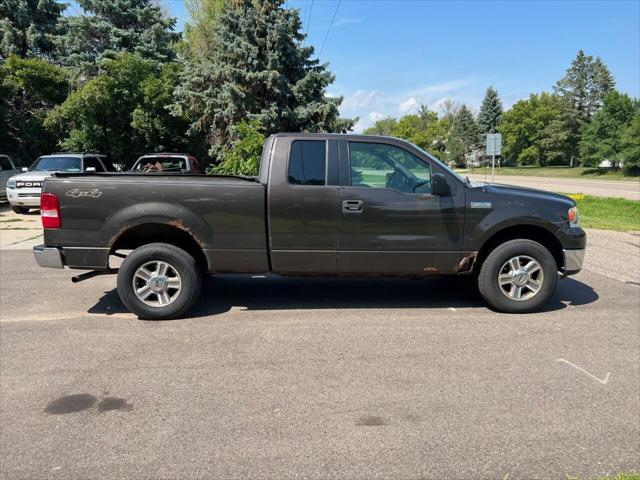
(391, 56)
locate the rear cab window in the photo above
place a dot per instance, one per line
(93, 162)
(308, 162)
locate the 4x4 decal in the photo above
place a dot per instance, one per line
(76, 192)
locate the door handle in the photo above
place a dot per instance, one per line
(352, 206)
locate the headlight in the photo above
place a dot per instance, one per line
(11, 184)
(574, 219)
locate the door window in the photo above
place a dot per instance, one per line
(375, 165)
(308, 162)
(5, 164)
(93, 162)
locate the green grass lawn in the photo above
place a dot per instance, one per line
(620, 476)
(608, 213)
(558, 172)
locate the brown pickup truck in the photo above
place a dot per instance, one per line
(323, 204)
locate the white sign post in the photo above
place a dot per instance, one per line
(494, 147)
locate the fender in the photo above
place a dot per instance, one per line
(157, 212)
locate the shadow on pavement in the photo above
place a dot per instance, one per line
(221, 293)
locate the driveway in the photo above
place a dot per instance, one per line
(316, 378)
(602, 188)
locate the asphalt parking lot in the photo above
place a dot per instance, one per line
(318, 378)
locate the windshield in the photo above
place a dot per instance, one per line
(58, 164)
(443, 165)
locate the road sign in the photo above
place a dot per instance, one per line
(494, 143)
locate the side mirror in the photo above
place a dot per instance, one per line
(439, 185)
(90, 169)
(24, 169)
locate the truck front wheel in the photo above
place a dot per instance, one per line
(518, 276)
(159, 281)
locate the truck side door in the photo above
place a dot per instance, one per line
(390, 223)
(303, 206)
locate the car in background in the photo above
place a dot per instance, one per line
(23, 190)
(7, 170)
(167, 163)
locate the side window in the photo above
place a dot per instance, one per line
(376, 165)
(308, 162)
(5, 164)
(93, 162)
(108, 166)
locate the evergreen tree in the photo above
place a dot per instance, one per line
(490, 114)
(28, 27)
(463, 136)
(602, 138)
(109, 27)
(259, 71)
(585, 85)
(582, 90)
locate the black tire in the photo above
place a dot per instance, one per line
(180, 261)
(21, 210)
(489, 285)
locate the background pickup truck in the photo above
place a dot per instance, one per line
(323, 204)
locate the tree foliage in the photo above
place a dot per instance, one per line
(121, 112)
(28, 27)
(259, 70)
(585, 85)
(463, 135)
(423, 129)
(29, 89)
(631, 146)
(602, 138)
(109, 27)
(198, 30)
(490, 114)
(525, 127)
(243, 157)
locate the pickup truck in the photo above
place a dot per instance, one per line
(322, 205)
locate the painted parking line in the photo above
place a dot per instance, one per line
(602, 381)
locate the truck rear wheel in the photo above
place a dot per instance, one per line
(518, 276)
(159, 281)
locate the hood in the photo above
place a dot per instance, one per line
(529, 193)
(32, 176)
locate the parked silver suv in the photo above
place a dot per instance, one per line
(23, 190)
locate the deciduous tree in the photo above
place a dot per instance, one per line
(29, 89)
(120, 112)
(602, 138)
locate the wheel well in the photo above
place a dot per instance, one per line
(146, 233)
(527, 232)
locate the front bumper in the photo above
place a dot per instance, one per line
(48, 257)
(573, 260)
(24, 197)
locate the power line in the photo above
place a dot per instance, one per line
(329, 29)
(306, 30)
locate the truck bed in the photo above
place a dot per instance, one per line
(225, 216)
